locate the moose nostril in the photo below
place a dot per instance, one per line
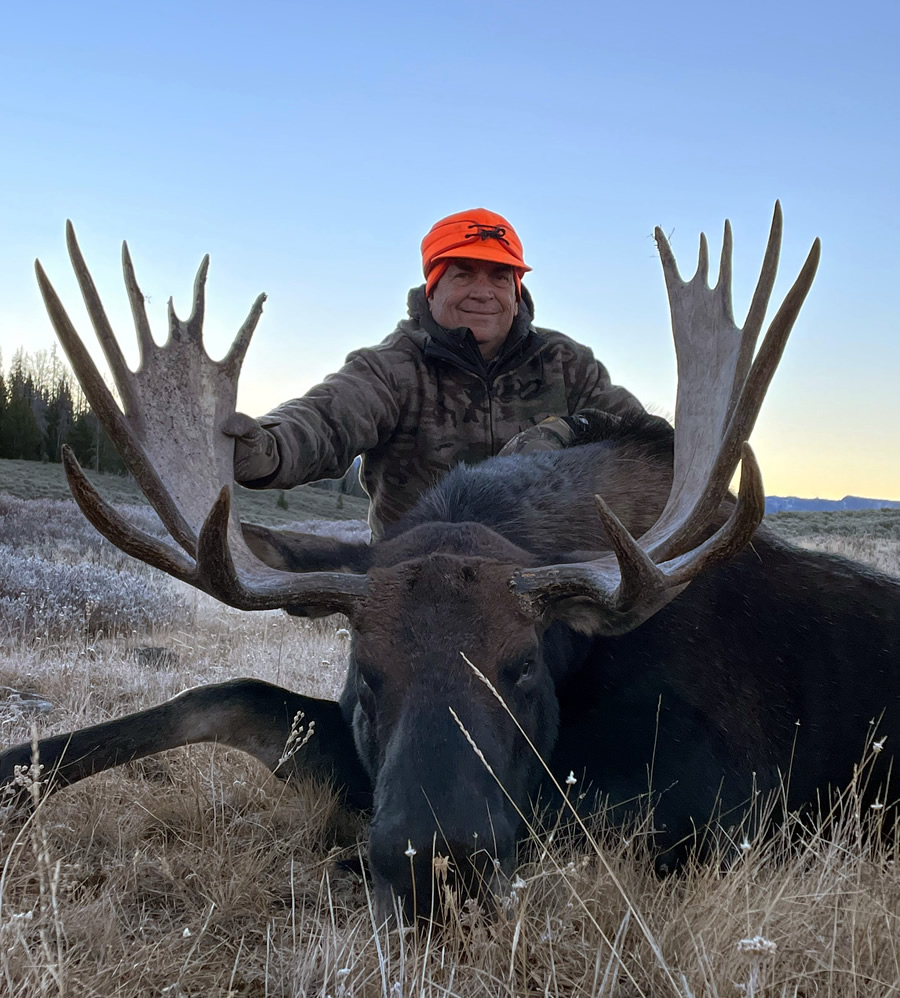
(418, 883)
(436, 891)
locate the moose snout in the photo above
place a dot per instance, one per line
(441, 818)
(417, 872)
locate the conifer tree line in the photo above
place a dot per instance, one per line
(42, 407)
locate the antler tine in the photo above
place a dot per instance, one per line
(332, 592)
(638, 573)
(97, 314)
(194, 324)
(702, 273)
(717, 405)
(627, 588)
(238, 350)
(138, 305)
(192, 327)
(723, 286)
(214, 572)
(89, 377)
(762, 293)
(115, 528)
(766, 361)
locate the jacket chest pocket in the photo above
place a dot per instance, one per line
(527, 402)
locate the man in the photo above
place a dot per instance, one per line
(460, 378)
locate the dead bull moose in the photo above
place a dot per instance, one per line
(718, 669)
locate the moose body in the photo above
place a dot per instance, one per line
(770, 673)
(634, 640)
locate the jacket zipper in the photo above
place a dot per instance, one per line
(489, 392)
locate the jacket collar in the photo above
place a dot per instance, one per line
(458, 346)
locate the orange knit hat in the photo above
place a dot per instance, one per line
(478, 234)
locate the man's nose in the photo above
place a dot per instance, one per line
(481, 287)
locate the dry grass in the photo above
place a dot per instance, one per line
(870, 536)
(199, 874)
(883, 523)
(880, 553)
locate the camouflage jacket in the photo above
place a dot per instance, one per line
(424, 400)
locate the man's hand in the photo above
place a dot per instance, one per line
(255, 448)
(552, 433)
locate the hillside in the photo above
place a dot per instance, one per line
(34, 480)
(781, 504)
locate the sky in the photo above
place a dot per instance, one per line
(308, 148)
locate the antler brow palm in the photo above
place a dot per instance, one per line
(168, 433)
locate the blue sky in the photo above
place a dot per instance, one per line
(307, 148)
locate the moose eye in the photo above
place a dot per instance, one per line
(520, 673)
(527, 671)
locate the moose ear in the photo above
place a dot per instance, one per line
(579, 614)
(598, 610)
(296, 551)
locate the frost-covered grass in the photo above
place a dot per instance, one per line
(198, 874)
(59, 578)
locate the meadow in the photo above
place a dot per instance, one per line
(197, 873)
(34, 480)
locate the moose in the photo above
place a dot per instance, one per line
(610, 610)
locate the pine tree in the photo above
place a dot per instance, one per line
(4, 402)
(22, 436)
(41, 408)
(60, 418)
(82, 438)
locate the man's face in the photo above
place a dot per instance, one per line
(478, 294)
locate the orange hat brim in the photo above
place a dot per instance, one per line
(486, 249)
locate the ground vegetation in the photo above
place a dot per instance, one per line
(197, 873)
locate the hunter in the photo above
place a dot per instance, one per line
(467, 376)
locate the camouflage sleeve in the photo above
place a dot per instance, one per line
(320, 433)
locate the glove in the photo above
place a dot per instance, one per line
(255, 448)
(552, 433)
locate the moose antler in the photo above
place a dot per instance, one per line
(721, 387)
(168, 432)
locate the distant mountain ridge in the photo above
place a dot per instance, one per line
(792, 504)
